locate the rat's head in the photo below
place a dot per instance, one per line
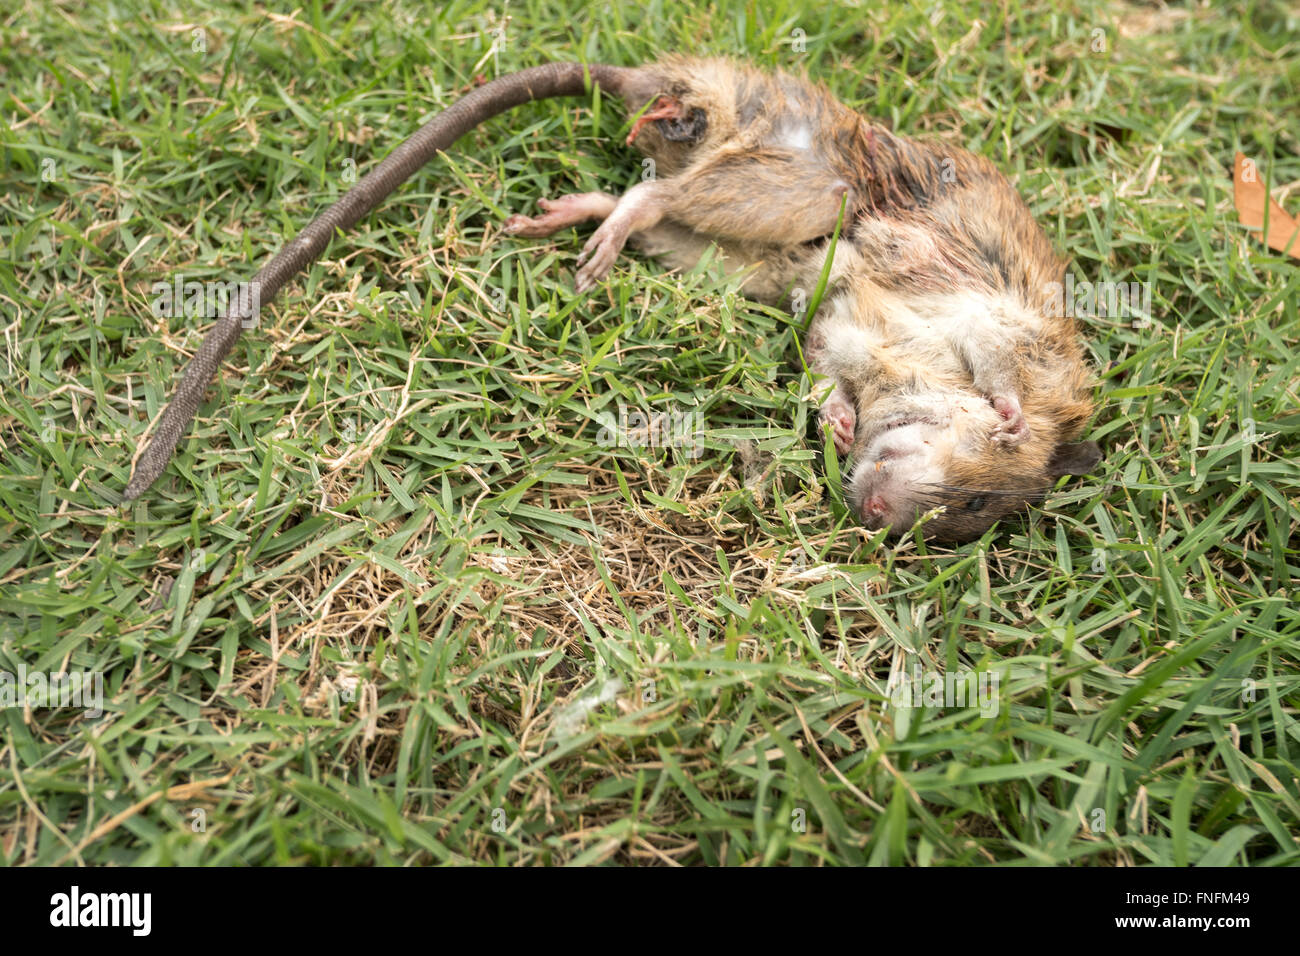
(913, 454)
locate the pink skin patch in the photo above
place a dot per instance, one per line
(665, 108)
(874, 510)
(1013, 429)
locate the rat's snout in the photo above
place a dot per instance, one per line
(892, 461)
(878, 490)
(873, 511)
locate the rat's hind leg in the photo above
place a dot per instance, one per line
(640, 208)
(566, 210)
(674, 244)
(777, 197)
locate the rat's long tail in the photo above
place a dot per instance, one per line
(497, 96)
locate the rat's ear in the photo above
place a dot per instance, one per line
(1077, 458)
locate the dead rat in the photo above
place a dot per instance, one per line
(952, 376)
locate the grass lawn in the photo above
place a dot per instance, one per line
(400, 599)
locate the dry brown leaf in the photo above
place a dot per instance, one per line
(1250, 196)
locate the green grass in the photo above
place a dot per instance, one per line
(383, 660)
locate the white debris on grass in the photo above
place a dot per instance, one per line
(571, 719)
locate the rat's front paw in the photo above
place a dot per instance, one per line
(1013, 429)
(838, 412)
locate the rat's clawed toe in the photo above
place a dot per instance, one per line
(535, 227)
(838, 412)
(600, 253)
(1013, 429)
(520, 225)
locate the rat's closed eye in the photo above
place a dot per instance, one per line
(975, 504)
